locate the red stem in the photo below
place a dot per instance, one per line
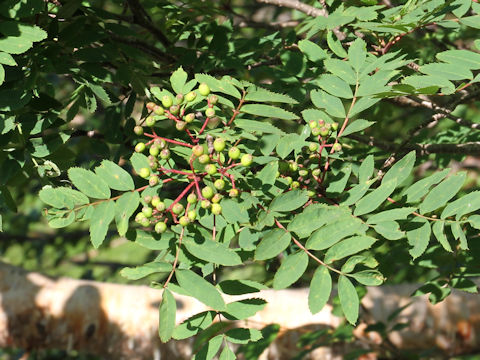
(179, 197)
(169, 140)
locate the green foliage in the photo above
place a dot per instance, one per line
(341, 115)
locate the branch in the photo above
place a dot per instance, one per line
(145, 47)
(141, 18)
(297, 5)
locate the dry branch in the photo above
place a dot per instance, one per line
(120, 321)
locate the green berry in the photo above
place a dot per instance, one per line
(334, 126)
(178, 99)
(303, 172)
(204, 159)
(295, 185)
(160, 227)
(219, 145)
(205, 204)
(197, 150)
(174, 109)
(219, 184)
(147, 211)
(165, 154)
(158, 110)
(180, 125)
(213, 99)
(192, 198)
(210, 112)
(324, 131)
(316, 131)
(147, 199)
(192, 215)
(184, 221)
(233, 193)
(316, 172)
(292, 166)
(151, 105)
(153, 181)
(311, 193)
(289, 180)
(234, 153)
(190, 96)
(216, 209)
(167, 101)
(139, 217)
(144, 172)
(153, 165)
(246, 160)
(140, 147)
(337, 147)
(161, 206)
(204, 89)
(138, 130)
(207, 192)
(154, 150)
(189, 118)
(313, 124)
(155, 201)
(321, 122)
(150, 121)
(177, 208)
(145, 222)
(313, 146)
(211, 169)
(160, 143)
(216, 198)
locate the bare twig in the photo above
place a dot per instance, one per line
(297, 5)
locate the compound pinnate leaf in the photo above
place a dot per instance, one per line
(348, 299)
(374, 199)
(466, 204)
(289, 201)
(268, 111)
(389, 215)
(357, 53)
(466, 59)
(314, 52)
(401, 170)
(167, 313)
(443, 192)
(389, 230)
(290, 270)
(348, 247)
(259, 94)
(200, 289)
(332, 105)
(335, 86)
(419, 236)
(139, 272)
(89, 183)
(332, 233)
(357, 192)
(273, 243)
(320, 288)
(101, 218)
(62, 197)
(116, 177)
(416, 191)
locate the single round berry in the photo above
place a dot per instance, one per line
(148, 199)
(216, 198)
(138, 130)
(213, 99)
(292, 166)
(337, 147)
(167, 101)
(161, 206)
(313, 124)
(316, 131)
(160, 227)
(204, 159)
(207, 192)
(153, 165)
(334, 126)
(145, 222)
(190, 96)
(321, 122)
(295, 185)
(210, 112)
(177, 208)
(192, 215)
(154, 150)
(178, 99)
(174, 109)
(147, 211)
(151, 105)
(150, 121)
(205, 204)
(219, 184)
(311, 193)
(204, 89)
(160, 143)
(165, 154)
(139, 217)
(234, 153)
(313, 146)
(303, 172)
(289, 180)
(328, 126)
(246, 160)
(180, 125)
(189, 118)
(144, 172)
(153, 181)
(192, 198)
(233, 193)
(158, 110)
(197, 150)
(219, 145)
(155, 201)
(140, 147)
(324, 131)
(216, 209)
(316, 172)
(184, 221)
(210, 169)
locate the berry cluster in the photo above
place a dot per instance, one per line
(208, 169)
